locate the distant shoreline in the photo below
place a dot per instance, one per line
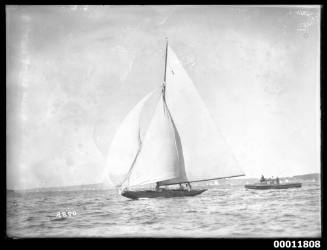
(102, 186)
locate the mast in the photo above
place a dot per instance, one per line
(164, 86)
(166, 61)
(164, 82)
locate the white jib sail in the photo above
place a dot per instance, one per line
(125, 144)
(206, 154)
(161, 156)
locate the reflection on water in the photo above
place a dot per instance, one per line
(218, 212)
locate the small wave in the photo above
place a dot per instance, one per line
(29, 218)
(85, 203)
(149, 222)
(104, 215)
(289, 215)
(59, 219)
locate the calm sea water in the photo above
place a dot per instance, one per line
(219, 212)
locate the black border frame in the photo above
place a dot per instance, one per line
(239, 243)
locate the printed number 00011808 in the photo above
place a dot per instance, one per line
(297, 244)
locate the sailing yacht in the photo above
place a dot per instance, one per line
(181, 143)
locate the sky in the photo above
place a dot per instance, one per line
(74, 72)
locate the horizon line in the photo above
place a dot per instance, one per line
(111, 186)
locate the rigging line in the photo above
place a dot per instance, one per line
(133, 163)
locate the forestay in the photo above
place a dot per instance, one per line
(125, 143)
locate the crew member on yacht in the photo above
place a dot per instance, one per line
(188, 186)
(157, 187)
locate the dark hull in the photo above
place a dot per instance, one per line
(273, 186)
(164, 193)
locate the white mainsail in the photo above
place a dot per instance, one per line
(181, 142)
(161, 155)
(125, 143)
(206, 153)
